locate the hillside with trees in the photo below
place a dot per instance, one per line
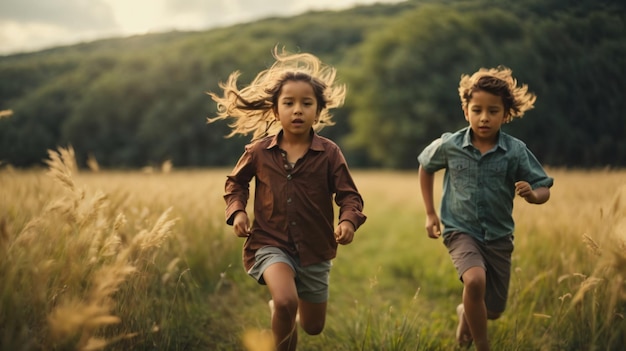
(132, 102)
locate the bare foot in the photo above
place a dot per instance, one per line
(463, 333)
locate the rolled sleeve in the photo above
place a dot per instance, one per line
(233, 208)
(347, 195)
(237, 187)
(357, 218)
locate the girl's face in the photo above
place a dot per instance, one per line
(297, 108)
(485, 114)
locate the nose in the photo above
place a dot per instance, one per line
(297, 108)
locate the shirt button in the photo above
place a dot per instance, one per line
(286, 166)
(289, 200)
(293, 223)
(288, 176)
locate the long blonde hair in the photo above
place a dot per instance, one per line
(253, 107)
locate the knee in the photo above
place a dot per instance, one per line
(493, 315)
(475, 286)
(286, 308)
(313, 328)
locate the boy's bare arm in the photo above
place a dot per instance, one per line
(537, 196)
(427, 182)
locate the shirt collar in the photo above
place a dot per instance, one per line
(316, 141)
(467, 139)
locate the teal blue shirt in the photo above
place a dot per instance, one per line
(478, 190)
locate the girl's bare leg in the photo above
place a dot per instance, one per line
(279, 278)
(312, 316)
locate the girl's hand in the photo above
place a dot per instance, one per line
(241, 224)
(433, 226)
(344, 233)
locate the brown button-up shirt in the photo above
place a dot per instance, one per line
(293, 205)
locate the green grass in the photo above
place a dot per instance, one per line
(393, 288)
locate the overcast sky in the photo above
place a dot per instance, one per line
(29, 25)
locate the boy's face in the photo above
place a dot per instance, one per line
(297, 108)
(485, 114)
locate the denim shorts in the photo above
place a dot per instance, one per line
(493, 256)
(311, 281)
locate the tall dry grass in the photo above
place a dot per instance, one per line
(567, 290)
(63, 270)
(143, 260)
(568, 281)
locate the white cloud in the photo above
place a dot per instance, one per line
(74, 14)
(137, 16)
(29, 36)
(27, 25)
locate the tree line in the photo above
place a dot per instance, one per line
(132, 102)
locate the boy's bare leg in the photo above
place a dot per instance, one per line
(463, 333)
(279, 278)
(474, 281)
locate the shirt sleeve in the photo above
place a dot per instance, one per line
(237, 188)
(433, 157)
(532, 171)
(347, 197)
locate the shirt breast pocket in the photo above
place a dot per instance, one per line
(496, 173)
(314, 182)
(460, 175)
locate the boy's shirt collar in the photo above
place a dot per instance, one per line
(467, 139)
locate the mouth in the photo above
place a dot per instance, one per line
(297, 121)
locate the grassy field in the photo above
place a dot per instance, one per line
(143, 261)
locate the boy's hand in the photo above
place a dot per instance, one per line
(344, 233)
(523, 189)
(537, 196)
(433, 226)
(241, 224)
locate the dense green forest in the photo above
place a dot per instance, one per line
(132, 102)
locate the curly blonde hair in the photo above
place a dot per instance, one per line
(253, 108)
(498, 81)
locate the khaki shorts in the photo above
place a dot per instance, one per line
(311, 281)
(493, 256)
